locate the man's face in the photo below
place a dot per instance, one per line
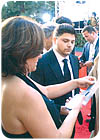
(89, 36)
(64, 44)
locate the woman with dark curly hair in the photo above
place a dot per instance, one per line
(27, 111)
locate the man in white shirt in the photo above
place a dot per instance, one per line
(90, 49)
(51, 69)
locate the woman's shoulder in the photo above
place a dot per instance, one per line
(17, 93)
(16, 88)
(11, 84)
(19, 99)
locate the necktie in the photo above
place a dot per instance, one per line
(67, 74)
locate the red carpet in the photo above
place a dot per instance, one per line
(82, 131)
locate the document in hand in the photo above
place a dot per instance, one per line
(89, 92)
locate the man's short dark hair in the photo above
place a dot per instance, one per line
(89, 29)
(48, 30)
(64, 28)
(62, 19)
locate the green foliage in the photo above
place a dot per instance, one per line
(35, 9)
(80, 41)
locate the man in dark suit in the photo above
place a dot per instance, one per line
(90, 49)
(50, 66)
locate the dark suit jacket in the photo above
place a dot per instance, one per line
(49, 72)
(86, 49)
(85, 53)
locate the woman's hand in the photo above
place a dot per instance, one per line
(85, 81)
(64, 110)
(75, 102)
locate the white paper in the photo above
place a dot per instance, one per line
(89, 92)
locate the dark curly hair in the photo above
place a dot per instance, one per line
(22, 38)
(62, 19)
(64, 28)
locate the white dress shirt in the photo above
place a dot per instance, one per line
(61, 63)
(92, 49)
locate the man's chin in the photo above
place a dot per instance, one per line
(67, 53)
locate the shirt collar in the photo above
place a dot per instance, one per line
(94, 43)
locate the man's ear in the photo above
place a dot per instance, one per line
(93, 33)
(54, 40)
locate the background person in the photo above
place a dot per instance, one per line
(90, 49)
(93, 20)
(63, 19)
(48, 31)
(23, 100)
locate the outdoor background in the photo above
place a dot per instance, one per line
(79, 11)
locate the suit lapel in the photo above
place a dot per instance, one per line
(74, 66)
(96, 48)
(87, 51)
(54, 65)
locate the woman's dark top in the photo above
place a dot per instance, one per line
(49, 103)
